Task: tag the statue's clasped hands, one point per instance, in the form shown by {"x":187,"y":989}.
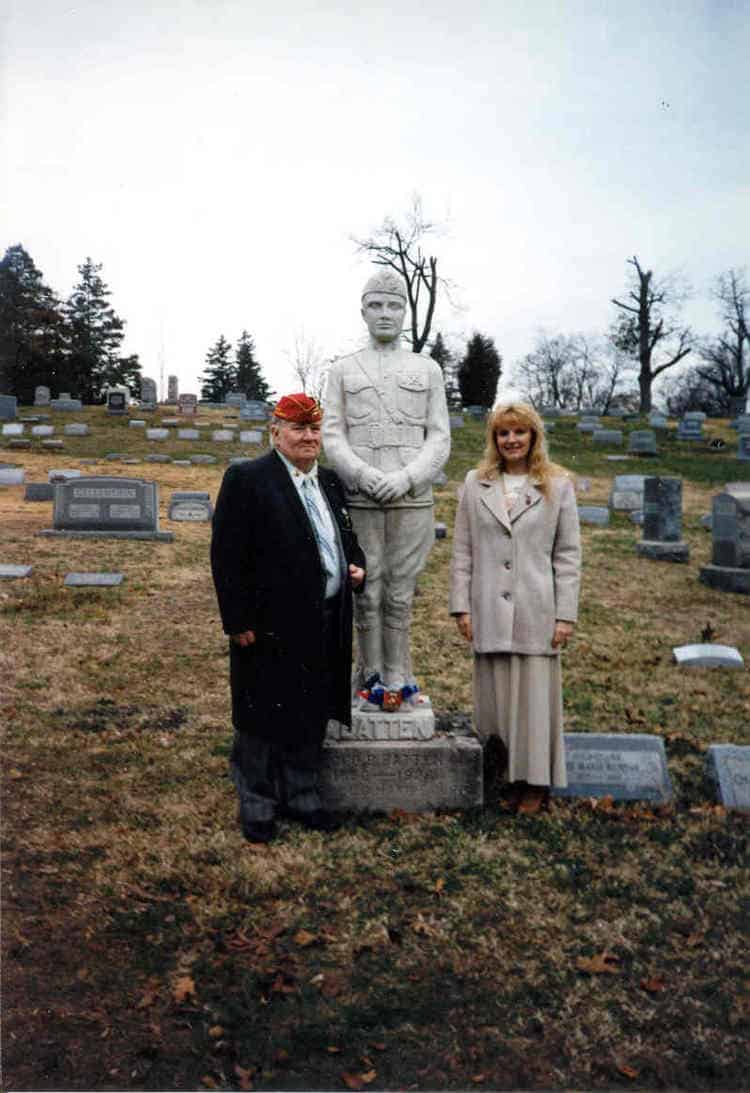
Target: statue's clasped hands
{"x":384,"y":487}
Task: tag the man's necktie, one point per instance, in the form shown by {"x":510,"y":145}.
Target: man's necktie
{"x":328,"y":551}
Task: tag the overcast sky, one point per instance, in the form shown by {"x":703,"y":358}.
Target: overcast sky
{"x":215,"y":156}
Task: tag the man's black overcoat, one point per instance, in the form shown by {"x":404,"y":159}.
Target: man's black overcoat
{"x":269,"y":579}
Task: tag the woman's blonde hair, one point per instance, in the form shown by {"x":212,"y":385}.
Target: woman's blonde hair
{"x":492,"y":464}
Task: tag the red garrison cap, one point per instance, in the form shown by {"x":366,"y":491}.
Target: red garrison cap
{"x":299,"y":408}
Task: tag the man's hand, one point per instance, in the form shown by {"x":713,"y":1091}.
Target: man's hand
{"x":370,"y":480}
{"x":356,"y":575}
{"x":247,"y":637}
{"x":563,"y":632}
{"x":463,"y":622}
{"x":394,"y":485}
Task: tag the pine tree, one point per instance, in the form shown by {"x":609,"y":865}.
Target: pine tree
{"x":479,"y":372}
{"x":249,"y":377}
{"x":32,"y":327}
{"x":220,"y":374}
{"x":96,"y":334}
{"x":442,"y":354}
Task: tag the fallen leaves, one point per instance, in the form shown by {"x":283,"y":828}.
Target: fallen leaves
{"x":602,"y":964}
{"x":183,"y":989}
{"x":359,"y":1081}
{"x":243,"y":1076}
{"x":303,"y":938}
{"x":654,"y":985}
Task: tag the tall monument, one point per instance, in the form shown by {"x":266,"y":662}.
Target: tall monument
{"x":386,"y":433}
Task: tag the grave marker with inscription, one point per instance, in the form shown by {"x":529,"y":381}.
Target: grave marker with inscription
{"x":627,"y":493}
{"x":8,"y":407}
{"x":626,"y":767}
{"x":190,"y":506}
{"x":662,"y":521}
{"x":730,"y":530}
{"x":42,"y":395}
{"x":101,"y":507}
{"x":642,"y":442}
{"x":728,"y":767}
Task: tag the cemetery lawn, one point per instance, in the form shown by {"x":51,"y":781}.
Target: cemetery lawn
{"x":147,"y":946}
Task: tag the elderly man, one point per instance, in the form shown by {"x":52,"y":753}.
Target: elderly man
{"x":285,"y":560}
{"x":386,"y":433}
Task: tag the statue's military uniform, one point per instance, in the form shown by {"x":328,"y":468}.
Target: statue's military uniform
{"x":386,"y":409}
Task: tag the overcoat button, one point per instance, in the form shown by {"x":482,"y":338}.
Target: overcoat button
{"x":506,"y":595}
{"x":507,"y":565}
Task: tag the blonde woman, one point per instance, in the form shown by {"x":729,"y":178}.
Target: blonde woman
{"x":515,"y":575}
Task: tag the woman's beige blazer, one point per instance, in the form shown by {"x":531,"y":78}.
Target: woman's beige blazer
{"x":516,"y":573}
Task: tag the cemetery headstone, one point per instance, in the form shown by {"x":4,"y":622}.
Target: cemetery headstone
{"x":49,"y":444}
{"x":12,"y":476}
{"x":107,"y":508}
{"x":93,"y":580}
{"x":627,"y":493}
{"x":728,"y":767}
{"x":657,"y":420}
{"x":190,"y":505}
{"x":187,"y":404}
{"x":593,"y":514}
{"x":42,"y":395}
{"x":254,"y":410}
{"x":169,"y":421}
{"x":173,"y":390}
{"x":14,"y":572}
{"x":66,"y":404}
{"x":39,"y":491}
{"x":612,"y":438}
{"x":157,"y":434}
{"x":117,"y":402}
{"x":137,"y":423}
{"x":19,"y":442}
{"x":549,"y":411}
{"x":456,"y":421}
{"x":743,"y":447}
{"x":741,"y":423}
{"x":662,"y":521}
{"x":477,"y":413}
{"x":63,"y":474}
{"x":222,"y":436}
{"x":642,"y":442}
{"x":624,"y":766}
{"x":251,"y":436}
{"x":16,"y":428}
{"x":690,"y":428}
{"x":42,"y":430}
{"x":737,"y":405}
{"x":188,"y":434}
{"x":149,"y":396}
{"x":8,"y":407}
{"x":729,"y":570}
{"x":76,"y":428}
{"x":738,"y":489}
{"x":154,"y":457}
{"x":707,"y":655}
{"x":202,"y":458}
{"x":235,"y":398}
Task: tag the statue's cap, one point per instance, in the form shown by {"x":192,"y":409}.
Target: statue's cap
{"x":385,"y":280}
{"x":299,"y":408}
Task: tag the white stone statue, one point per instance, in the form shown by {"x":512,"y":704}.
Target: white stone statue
{"x":386,"y":433}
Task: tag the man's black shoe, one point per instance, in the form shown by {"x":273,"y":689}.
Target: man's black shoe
{"x":258,"y":831}
{"x":317,"y":820}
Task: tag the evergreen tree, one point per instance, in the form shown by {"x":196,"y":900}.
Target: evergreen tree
{"x":220,"y":374}
{"x":32,"y":327}
{"x":249,"y":377}
{"x":442,"y":354}
{"x":96,"y":333}
{"x":479,"y":372}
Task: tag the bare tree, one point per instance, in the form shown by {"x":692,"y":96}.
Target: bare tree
{"x":399,"y":246}
{"x":650,"y":305}
{"x":309,"y":364}
{"x":726,"y":359}
{"x":574,"y":370}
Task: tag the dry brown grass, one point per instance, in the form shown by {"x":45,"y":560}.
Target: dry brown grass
{"x":148,"y":947}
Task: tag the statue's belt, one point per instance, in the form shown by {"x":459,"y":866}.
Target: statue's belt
{"x":386,"y":436}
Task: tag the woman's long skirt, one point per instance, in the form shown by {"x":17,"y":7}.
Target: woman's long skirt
{"x":519,"y":699}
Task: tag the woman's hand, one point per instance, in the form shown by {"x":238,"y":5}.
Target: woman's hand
{"x":356,"y":575}
{"x":463,"y":622}
{"x":563,"y":633}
